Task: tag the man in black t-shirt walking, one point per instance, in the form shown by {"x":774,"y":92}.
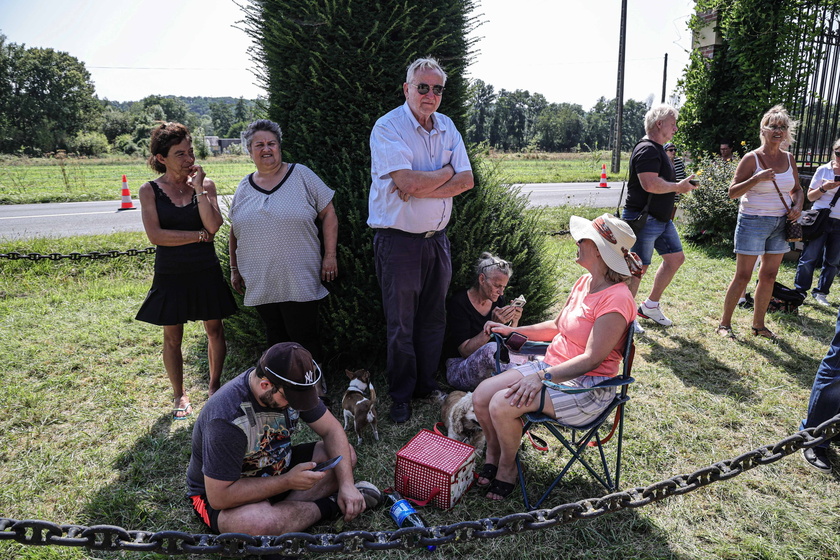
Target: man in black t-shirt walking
{"x":652,"y":185}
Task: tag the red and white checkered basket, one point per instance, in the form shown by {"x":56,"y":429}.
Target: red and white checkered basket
{"x":432,"y":468}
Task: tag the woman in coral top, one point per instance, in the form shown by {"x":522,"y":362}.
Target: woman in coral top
{"x":587,"y":339}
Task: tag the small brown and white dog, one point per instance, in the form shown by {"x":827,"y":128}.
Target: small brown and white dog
{"x":359,"y":403}
{"x":458,"y":416}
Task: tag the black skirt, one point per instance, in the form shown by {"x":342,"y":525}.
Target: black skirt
{"x":175,"y":299}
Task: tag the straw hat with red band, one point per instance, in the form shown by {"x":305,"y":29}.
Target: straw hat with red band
{"x":614,"y":239}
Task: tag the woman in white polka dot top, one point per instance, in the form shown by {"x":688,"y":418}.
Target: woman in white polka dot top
{"x":275,"y":253}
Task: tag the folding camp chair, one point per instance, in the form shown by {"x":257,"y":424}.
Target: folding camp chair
{"x":579,"y":439}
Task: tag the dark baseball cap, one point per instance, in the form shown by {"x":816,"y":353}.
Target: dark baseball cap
{"x":290,"y":366}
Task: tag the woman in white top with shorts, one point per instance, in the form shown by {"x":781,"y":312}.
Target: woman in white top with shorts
{"x":762,"y":216}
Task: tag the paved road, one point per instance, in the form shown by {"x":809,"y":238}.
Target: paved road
{"x":27,"y":221}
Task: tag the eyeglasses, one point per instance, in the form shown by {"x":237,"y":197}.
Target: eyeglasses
{"x":836,"y":153}
{"x":780,"y":127}
{"x":423,"y":89}
{"x":671,"y":150}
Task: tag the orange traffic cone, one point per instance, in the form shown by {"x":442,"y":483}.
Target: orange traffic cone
{"x":603,"y":184}
{"x":127,"y":203}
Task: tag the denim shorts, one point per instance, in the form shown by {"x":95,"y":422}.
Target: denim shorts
{"x":656,"y":234}
{"x":757,"y":235}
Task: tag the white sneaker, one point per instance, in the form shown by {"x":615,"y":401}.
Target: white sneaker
{"x":654,"y":314}
{"x":821,"y":299}
{"x":639,"y":329}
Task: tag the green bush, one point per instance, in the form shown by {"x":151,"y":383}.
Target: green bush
{"x":124,"y":144}
{"x":88,"y":144}
{"x":710,"y":215}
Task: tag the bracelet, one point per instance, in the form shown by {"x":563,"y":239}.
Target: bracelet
{"x":200,"y":193}
{"x":822,"y":190}
{"x":234,"y":267}
{"x":202,"y":235}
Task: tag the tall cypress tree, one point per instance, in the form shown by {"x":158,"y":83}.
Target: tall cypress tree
{"x":331,"y":69}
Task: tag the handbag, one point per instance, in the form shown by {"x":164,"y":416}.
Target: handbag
{"x":814,"y":221}
{"x":793,"y":229}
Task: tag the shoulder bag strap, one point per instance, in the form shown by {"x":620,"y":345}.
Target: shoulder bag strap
{"x":650,"y":194}
{"x":781,"y":197}
{"x":834,"y":200}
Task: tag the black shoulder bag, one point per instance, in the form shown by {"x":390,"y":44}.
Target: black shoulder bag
{"x":814,"y":221}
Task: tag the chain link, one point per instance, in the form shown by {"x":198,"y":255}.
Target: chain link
{"x":14,"y":256}
{"x":107,"y":537}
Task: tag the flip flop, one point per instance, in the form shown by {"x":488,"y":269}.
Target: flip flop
{"x":187,"y":410}
{"x":488,"y":471}
{"x":500,"y":488}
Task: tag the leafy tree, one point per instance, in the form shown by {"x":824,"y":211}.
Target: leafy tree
{"x":330,"y":70}
{"x":116,"y":122}
{"x":559,"y":127}
{"x":764,"y":60}
{"x":222,"y":115}
{"x":480,"y":112}
{"x":599,"y":123}
{"x":47,"y":98}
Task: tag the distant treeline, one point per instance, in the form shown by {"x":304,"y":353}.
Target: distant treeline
{"x":519,"y":120}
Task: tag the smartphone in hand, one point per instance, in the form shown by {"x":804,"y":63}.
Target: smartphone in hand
{"x":518,"y":302}
{"x":328,"y":464}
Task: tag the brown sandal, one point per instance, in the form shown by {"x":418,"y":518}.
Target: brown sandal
{"x":764,"y":332}
{"x":725,"y":331}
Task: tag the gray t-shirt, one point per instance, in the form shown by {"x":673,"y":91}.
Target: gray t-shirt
{"x":235,"y":436}
{"x":278,"y":251}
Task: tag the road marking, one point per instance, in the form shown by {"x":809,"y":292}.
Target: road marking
{"x":55,"y":215}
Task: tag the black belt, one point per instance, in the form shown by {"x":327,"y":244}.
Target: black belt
{"x":422,"y":235}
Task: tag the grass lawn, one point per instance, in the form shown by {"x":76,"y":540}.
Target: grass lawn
{"x":24,"y":180}
{"x":87,"y":436}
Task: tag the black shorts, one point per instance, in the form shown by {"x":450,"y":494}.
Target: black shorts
{"x":210,"y":516}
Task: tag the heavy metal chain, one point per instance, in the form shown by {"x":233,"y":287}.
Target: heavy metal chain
{"x":14,"y":256}
{"x":107,"y":537}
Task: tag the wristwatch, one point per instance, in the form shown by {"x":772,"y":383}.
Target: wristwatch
{"x":822,"y":190}
{"x":546,"y":375}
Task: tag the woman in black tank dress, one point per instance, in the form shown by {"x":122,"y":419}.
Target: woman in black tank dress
{"x":181,"y":216}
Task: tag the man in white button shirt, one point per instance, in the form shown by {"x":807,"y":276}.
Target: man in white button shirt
{"x":418,"y":163}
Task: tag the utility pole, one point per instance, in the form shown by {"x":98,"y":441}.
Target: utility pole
{"x":664,"y":77}
{"x":619,"y":94}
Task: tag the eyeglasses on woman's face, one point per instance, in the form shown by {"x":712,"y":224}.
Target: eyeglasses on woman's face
{"x":777,"y":127}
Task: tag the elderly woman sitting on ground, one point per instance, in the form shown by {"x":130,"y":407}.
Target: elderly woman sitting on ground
{"x":470,"y":352}
{"x":586,"y":347}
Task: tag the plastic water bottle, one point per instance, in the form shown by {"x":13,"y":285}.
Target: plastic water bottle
{"x":403,"y":513}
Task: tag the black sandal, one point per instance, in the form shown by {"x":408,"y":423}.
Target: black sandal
{"x":500,"y":488}
{"x":765,"y":333}
{"x":488,"y":471}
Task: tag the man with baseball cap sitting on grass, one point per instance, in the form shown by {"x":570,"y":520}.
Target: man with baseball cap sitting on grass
{"x":245,"y":476}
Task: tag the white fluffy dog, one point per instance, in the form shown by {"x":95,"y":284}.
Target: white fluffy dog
{"x":458,"y":416}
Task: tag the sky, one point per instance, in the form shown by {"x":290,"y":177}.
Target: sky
{"x":567,"y":50}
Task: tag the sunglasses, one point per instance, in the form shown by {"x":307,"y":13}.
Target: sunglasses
{"x":781,"y":127}
{"x":502,"y":265}
{"x":671,"y":150}
{"x":423,"y":89}
{"x":836,"y":153}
